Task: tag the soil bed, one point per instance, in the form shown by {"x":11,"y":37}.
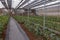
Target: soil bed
{"x":30,"y":34}
{"x":4,"y":32}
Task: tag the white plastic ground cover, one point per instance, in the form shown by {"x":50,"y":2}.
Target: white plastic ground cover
{"x":1,"y":5}
{"x":46,"y":4}
{"x":15,"y":3}
{"x":27,"y":3}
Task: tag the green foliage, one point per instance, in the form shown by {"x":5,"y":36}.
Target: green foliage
{"x":35,"y":24}
{"x":3,"y":21}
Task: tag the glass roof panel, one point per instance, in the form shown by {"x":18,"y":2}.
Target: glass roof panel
{"x":27,"y":3}
{"x":6,"y":2}
{"x":1,"y":5}
{"x":46,"y":4}
{"x":21,"y":3}
{"x":15,"y":3}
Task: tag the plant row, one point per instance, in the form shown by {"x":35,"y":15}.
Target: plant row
{"x":34,"y":24}
{"x":3,"y":22}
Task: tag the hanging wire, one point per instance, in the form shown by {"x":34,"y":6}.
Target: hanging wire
{"x":28,"y":15}
{"x":44,"y":16}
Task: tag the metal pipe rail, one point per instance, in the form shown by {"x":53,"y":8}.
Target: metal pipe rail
{"x":52,"y":30}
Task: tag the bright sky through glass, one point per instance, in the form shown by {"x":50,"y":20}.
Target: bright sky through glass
{"x":1,"y":5}
{"x":46,"y":4}
{"x":15,"y":3}
{"x":27,"y":3}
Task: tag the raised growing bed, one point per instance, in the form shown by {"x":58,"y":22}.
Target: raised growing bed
{"x":3,"y":26}
{"x":35,"y":25}
{"x":31,"y":35}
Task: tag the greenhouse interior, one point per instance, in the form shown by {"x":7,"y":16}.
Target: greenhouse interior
{"x":29,"y":19}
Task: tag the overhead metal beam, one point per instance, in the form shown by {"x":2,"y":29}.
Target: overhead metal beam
{"x":24,"y":2}
{"x":4,"y":3}
{"x":33,"y":3}
{"x":1,"y":0}
{"x":9,"y":3}
{"x":56,"y":6}
{"x":40,"y":2}
{"x":27,"y":3}
{"x":18,"y":4}
{"x":48,"y":4}
{"x":36,"y":1}
{"x":21,"y":3}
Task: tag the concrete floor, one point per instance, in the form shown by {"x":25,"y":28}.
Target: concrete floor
{"x":15,"y":31}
